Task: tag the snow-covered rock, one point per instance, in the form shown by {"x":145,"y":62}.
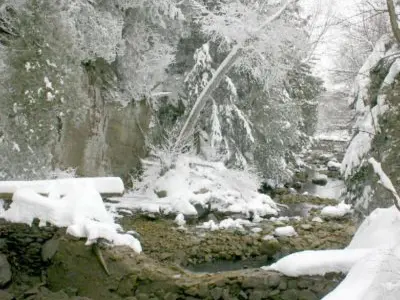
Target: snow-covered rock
{"x":334,"y":165}
{"x":81,"y":210}
{"x":285,"y":231}
{"x":317,"y":220}
{"x":228,"y":223}
{"x":320,"y":179}
{"x":337,"y":211}
{"x":103,"y":185}
{"x":180,"y":220}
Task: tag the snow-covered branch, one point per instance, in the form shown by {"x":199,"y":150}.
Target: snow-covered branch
{"x":220,"y":73}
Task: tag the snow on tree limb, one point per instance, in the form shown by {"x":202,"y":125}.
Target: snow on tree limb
{"x":220,"y":73}
{"x":385,"y":180}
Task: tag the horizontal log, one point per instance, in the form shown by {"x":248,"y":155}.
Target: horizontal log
{"x":106,"y":186}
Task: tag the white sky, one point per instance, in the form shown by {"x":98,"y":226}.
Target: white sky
{"x":326,"y":49}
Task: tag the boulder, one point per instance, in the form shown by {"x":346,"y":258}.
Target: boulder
{"x":5,"y":271}
{"x":320,"y":179}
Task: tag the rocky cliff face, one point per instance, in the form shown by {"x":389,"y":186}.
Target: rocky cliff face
{"x":67,"y":76}
{"x":376,"y":132}
{"x":110,"y":137}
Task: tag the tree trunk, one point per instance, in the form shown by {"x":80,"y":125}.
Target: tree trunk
{"x":393,"y":20}
{"x":222,"y":70}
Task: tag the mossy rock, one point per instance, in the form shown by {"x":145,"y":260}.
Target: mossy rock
{"x":297,"y":198}
{"x":270,"y":247}
{"x":301,"y":176}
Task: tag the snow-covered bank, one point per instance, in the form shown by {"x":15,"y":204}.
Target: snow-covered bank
{"x":196,"y":182}
{"x":81,"y":210}
{"x":103,"y":185}
{"x":372,"y":260}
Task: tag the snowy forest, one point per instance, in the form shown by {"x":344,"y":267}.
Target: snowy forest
{"x":196,"y":149}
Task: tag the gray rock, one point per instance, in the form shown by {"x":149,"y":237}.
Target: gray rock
{"x":256,"y":295}
{"x":6,"y":296}
{"x":161,"y":194}
{"x":320,"y":179}
{"x":5,"y":271}
{"x":49,"y":249}
{"x":202,"y":211}
{"x":216,"y":293}
{"x":274,"y":280}
{"x":243,"y":295}
{"x":306,"y":226}
{"x":307,"y":295}
{"x":289,"y":295}
{"x":212,"y":217}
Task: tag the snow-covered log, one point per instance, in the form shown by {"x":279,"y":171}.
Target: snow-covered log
{"x":103,"y":185}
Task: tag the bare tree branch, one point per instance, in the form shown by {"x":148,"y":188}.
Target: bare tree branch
{"x":393,"y":20}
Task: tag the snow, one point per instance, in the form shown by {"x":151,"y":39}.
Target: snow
{"x":318,"y":262}
{"x":103,"y":185}
{"x":320,"y":177}
{"x":195,"y":181}
{"x":334,"y":165}
{"x":317,"y":220}
{"x":81,"y":210}
{"x":228,"y":223}
{"x":210,"y":225}
{"x":336,"y":135}
{"x":180,"y":220}
{"x":268,"y":237}
{"x":256,"y":229}
{"x":285,"y":231}
{"x":372,"y":260}
{"x":337,"y":211}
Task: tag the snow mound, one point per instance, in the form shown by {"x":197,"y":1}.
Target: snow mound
{"x":318,"y":262}
{"x":285,"y":231}
{"x":81,"y":210}
{"x":194,"y":182}
{"x":337,"y":211}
